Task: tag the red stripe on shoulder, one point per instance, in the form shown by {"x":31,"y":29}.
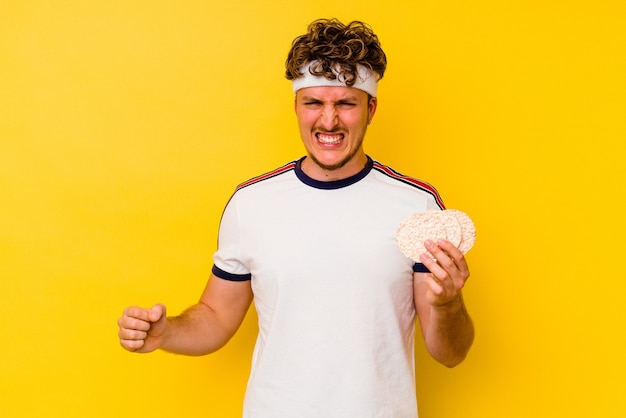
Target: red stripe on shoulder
{"x":268,"y":175}
{"x":410,"y":180}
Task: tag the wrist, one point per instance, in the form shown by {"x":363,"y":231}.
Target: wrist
{"x":452,"y":306}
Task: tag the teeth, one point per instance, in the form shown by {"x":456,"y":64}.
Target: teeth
{"x":329,"y":139}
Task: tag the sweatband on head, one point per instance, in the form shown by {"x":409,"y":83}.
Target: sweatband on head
{"x":365,"y":80}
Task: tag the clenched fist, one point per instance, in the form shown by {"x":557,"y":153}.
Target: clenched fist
{"x":141,"y":329}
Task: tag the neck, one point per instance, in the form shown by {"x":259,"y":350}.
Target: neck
{"x":320,"y":172}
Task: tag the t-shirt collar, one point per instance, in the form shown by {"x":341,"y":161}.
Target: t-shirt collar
{"x":333,"y":184}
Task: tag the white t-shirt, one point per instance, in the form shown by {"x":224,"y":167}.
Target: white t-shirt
{"x":333,"y":293}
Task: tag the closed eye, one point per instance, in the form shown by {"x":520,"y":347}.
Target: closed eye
{"x":312,"y":103}
{"x":346,"y":105}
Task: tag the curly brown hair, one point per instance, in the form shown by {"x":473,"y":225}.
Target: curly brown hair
{"x":335,"y":45}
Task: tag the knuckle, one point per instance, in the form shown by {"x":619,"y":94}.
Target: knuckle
{"x":125,"y":345}
{"x":131,"y":345}
{"x":137,"y":324}
{"x":138,"y":335}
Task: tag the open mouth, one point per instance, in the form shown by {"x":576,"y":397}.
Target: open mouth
{"x":329,"y":138}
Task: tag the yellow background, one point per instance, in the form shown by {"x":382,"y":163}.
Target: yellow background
{"x":125,"y":125}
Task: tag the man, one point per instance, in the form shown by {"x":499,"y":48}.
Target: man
{"x":313,"y":242}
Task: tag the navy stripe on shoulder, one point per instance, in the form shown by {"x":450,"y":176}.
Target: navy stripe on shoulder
{"x":230,"y":276}
{"x":273,"y":173}
{"x":388,"y":171}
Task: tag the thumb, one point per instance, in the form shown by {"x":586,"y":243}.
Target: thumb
{"x":157,"y":312}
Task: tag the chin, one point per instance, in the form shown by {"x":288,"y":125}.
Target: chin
{"x":330,"y":164}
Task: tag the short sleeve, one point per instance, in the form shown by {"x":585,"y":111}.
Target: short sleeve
{"x":227,"y":263}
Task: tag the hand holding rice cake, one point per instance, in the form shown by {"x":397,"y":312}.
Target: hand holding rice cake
{"x":451,"y":224}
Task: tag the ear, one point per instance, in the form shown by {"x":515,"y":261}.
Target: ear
{"x":371,"y":109}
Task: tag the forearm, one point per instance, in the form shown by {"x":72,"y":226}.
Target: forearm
{"x":450,"y":332}
{"x":197,"y":331}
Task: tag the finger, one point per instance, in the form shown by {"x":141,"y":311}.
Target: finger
{"x":456,"y":255}
{"x":137,"y":312}
{"x":445,"y":253}
{"x":128,"y":322}
{"x":132,"y":345}
{"x":450,"y":249}
{"x":156,"y":312}
{"x":131,"y":334}
{"x":436,"y":265}
{"x":434,"y":285}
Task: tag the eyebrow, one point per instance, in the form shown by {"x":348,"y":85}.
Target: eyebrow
{"x":341,"y":100}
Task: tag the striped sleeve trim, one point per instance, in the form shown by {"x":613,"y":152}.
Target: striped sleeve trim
{"x":274,"y":173}
{"x":420,"y":268}
{"x":230,"y":276}
{"x":388,"y":171}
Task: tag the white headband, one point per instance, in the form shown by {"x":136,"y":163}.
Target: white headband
{"x":366,"y":80}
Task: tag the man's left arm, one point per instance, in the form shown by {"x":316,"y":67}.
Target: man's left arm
{"x":446,"y":326}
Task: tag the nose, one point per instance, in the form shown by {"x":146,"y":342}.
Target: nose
{"x":329,"y":117}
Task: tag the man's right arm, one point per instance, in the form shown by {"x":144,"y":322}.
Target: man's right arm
{"x":201,"y":329}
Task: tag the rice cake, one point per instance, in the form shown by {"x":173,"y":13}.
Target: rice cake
{"x":468,"y":230}
{"x":451,"y":225}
